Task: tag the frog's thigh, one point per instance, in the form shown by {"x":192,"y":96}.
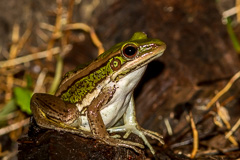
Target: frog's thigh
{"x":42,"y":120}
{"x":38,"y":114}
{"x":39,"y":103}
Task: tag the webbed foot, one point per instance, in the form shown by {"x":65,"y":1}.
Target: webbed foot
{"x":118,"y":142}
{"x":142,"y":133}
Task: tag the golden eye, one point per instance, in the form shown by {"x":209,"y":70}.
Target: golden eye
{"x":130,"y":51}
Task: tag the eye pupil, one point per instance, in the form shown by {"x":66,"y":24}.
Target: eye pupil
{"x":130,"y":51}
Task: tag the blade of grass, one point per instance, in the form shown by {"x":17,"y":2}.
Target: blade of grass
{"x":233,"y":36}
{"x":58,"y":75}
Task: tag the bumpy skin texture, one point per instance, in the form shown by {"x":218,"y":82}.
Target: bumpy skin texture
{"x":91,"y":99}
{"x":87,"y":84}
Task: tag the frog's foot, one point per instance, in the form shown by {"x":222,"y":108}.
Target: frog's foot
{"x":136,"y":129}
{"x":153,"y":135}
{"x":122,"y":143}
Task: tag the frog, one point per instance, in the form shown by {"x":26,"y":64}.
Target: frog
{"x":91,"y":100}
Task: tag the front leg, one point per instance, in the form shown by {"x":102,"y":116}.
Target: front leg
{"x":131,"y":126}
{"x":97,"y":125}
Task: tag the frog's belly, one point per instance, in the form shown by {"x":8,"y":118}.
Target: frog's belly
{"x":113,"y":112}
{"x":117,"y":106}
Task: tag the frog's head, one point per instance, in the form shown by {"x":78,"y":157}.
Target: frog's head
{"x":125,"y":61}
{"x":128,"y":56}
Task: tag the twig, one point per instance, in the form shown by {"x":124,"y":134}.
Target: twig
{"x":238,"y":10}
{"x":20,"y":82}
{"x":224,"y":90}
{"x":56,"y":32}
{"x":8,"y":116}
{"x":168,"y":126}
{"x":228,"y":100}
{"x":14,"y":126}
{"x":88,"y":29}
{"x":9,"y":70}
{"x":223,"y":114}
{"x":28,"y":58}
{"x":195,"y":137}
{"x":17,"y":45}
{"x":65,"y":38}
{"x":230,"y":12}
{"x":24,"y":38}
{"x":47,"y":26}
{"x":234,"y":128}
{"x":40,"y":79}
{"x":177,"y":136}
{"x":233,"y":140}
{"x":12,"y":55}
{"x":15,"y":39}
{"x":96,"y":41}
{"x":9,"y":85}
{"x":215,"y":151}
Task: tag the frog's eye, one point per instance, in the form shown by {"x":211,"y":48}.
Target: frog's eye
{"x":130,"y":51}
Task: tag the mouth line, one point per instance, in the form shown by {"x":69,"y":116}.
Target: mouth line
{"x":149,"y":57}
{"x":134,"y":66}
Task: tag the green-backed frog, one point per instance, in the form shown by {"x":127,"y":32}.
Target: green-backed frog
{"x":91,"y":100}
